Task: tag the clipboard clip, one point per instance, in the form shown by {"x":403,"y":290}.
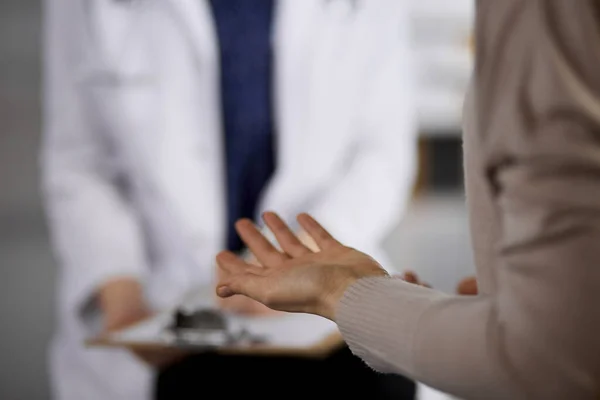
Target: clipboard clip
{"x":207,"y":328}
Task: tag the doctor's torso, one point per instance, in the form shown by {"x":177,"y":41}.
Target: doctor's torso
{"x":151,"y":82}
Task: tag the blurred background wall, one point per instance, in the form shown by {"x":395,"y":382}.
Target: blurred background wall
{"x":433,"y":239}
{"x":27,"y":270}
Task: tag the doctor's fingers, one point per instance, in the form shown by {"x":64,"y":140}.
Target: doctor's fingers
{"x":263,"y":250}
{"x":323,"y":239}
{"x":285,"y":237}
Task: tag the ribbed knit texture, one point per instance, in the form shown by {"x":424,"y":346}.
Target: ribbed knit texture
{"x":372,"y":309}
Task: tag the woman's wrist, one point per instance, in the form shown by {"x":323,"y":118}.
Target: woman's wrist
{"x":330,"y":299}
{"x":339,"y":285}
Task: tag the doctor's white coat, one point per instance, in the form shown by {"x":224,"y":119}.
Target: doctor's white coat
{"x":132,"y":159}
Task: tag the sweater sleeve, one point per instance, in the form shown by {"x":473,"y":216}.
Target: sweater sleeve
{"x":535,"y":334}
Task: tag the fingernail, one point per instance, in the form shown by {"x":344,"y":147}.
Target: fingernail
{"x":269,"y":214}
{"x":225,"y":255}
{"x":306,"y":218}
{"x":244,"y":221}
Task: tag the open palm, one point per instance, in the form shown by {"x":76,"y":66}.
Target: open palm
{"x":295,"y":278}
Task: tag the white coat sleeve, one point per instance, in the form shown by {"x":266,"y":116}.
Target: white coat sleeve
{"x":368,"y":201}
{"x":93,"y":227}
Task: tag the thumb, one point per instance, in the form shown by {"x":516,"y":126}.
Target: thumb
{"x":224,"y":291}
{"x":232,"y":285}
{"x":239,"y":284}
{"x":237,"y":276}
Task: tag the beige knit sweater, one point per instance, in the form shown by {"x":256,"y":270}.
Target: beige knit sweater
{"x":532,"y":161}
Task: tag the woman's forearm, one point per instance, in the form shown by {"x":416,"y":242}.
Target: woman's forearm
{"x":446,"y":342}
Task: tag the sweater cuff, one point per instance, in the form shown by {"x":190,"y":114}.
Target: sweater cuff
{"x":378,"y":318}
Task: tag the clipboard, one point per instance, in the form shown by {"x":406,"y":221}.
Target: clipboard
{"x":318,"y":350}
{"x":284,"y":334}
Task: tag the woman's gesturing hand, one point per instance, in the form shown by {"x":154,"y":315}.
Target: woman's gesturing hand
{"x":295,"y":278}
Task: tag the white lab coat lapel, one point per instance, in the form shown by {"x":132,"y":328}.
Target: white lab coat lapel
{"x":192,"y":163}
{"x":309,"y":34}
{"x":296,"y":29}
{"x":334,"y":79}
{"x":197,"y":20}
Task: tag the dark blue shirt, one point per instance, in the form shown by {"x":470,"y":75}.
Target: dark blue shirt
{"x":244,"y":33}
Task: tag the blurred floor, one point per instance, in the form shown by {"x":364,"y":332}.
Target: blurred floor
{"x":433,"y":239}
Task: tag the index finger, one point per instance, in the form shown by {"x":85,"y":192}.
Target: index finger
{"x":287,"y":240}
{"x":322,"y":238}
{"x":263,"y":250}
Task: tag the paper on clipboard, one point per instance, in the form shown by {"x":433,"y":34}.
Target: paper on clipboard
{"x":285,"y":333}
